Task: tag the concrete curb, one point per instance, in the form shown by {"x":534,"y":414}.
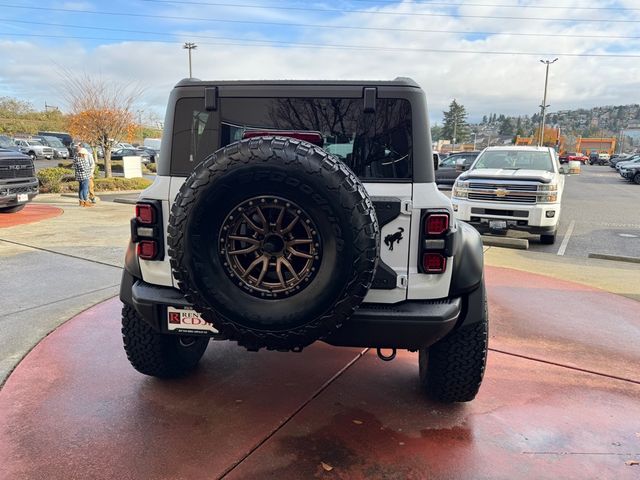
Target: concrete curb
{"x":615,"y":258}
{"x":517,"y":243}
{"x":127,"y":201}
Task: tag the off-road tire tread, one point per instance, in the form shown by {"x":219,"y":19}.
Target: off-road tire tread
{"x":155,"y":354}
{"x":456,"y":364}
{"x":343,"y":182}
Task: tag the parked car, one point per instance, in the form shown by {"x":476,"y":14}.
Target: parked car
{"x":130,"y":152}
{"x":603,"y":158}
{"x":452,"y":166}
{"x":34,"y":148}
{"x":59,"y":150}
{"x":626,"y":163}
{"x":517,"y":188}
{"x":574,"y":157}
{"x":613,"y":161}
{"x":8,"y":143}
{"x":64,"y":137}
{"x":153,"y":153}
{"x":631,"y":172}
{"x":18,"y":182}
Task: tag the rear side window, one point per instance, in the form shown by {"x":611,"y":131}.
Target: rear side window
{"x":376,"y":146}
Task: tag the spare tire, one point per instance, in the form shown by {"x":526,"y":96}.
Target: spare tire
{"x":273,"y":241}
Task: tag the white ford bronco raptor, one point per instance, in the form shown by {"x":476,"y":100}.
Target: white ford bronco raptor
{"x":287,"y":212}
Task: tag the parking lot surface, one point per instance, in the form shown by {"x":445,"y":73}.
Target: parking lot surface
{"x":560,"y":400}
{"x":599,"y":215}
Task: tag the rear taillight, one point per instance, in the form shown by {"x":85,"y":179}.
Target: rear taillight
{"x":146,"y":230}
{"x":435,"y":241}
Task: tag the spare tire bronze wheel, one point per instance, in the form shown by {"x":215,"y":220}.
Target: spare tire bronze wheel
{"x":273,"y":241}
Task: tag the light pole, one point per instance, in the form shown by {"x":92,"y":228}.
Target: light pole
{"x":189,"y":46}
{"x":544,"y":100}
{"x":474,"y":141}
{"x":455,"y":128}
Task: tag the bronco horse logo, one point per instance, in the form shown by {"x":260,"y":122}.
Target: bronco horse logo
{"x":392,"y":238}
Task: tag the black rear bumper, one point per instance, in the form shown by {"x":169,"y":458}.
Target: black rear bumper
{"x":408,"y":325}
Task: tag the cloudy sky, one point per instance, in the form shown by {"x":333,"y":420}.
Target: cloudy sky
{"x":484,"y":53}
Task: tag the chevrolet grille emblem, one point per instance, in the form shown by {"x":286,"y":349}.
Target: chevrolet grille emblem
{"x":501,"y":192}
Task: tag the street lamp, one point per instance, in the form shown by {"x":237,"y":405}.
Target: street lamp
{"x":189,"y":46}
{"x":474,"y":141}
{"x":544,"y":105}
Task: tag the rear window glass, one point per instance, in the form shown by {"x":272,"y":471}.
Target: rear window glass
{"x":374,"y":145}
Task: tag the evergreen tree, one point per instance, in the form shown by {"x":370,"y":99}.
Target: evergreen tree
{"x":436,"y":133}
{"x":484,"y":120}
{"x":506,"y":126}
{"x":455,"y":125}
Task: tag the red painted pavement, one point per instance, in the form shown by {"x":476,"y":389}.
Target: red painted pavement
{"x":74,"y":408}
{"x":31,"y":213}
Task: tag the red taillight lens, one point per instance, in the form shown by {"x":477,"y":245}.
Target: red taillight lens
{"x":433,"y":262}
{"x":147,"y":249}
{"x":145,"y":213}
{"x":436,"y":224}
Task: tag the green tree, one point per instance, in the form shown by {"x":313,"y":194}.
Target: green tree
{"x":506,"y":126}
{"x":455,"y":125}
{"x":436,"y":133}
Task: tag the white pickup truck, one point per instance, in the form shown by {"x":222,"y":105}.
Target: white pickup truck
{"x":518,"y":188}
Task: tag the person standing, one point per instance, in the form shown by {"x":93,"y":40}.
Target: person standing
{"x":82,"y":169}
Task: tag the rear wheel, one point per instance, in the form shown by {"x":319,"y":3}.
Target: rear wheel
{"x":14,"y":209}
{"x":159,"y":355}
{"x":636,"y":178}
{"x":452,"y":369}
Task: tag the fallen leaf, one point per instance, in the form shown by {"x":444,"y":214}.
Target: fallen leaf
{"x":632,"y":462}
{"x":238,"y":401}
{"x":401,"y":443}
{"x":357,"y":422}
{"x":326,"y":466}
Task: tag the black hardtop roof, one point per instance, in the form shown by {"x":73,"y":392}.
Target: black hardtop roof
{"x":397,"y":82}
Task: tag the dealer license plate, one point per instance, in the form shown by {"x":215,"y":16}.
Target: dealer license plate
{"x":497,"y":224}
{"x":187,"y":320}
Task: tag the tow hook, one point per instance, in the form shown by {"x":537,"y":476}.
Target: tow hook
{"x":386,"y":358}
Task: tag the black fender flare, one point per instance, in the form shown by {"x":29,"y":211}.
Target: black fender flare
{"x":468,"y":260}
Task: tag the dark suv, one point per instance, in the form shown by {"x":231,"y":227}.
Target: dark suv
{"x":18,"y":182}
{"x":288,"y":212}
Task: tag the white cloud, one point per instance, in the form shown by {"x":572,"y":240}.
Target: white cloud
{"x":484,"y":83}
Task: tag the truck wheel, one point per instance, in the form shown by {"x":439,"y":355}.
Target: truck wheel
{"x":13,"y":209}
{"x":158,"y":355}
{"x":636,"y":178}
{"x":452,"y":369}
{"x":273,"y":241}
{"x":548,"y":239}
{"x":33,"y":156}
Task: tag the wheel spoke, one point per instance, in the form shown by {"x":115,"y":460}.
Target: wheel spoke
{"x":253,"y":265}
{"x":280,"y":219}
{"x":250,"y":240}
{"x":265,"y":267}
{"x":292,"y":224}
{"x":250,"y":249}
{"x":289,"y":267}
{"x":302,"y":241}
{"x":265,"y":224}
{"x":279,"y":272}
{"x":252,"y":225}
{"x":296,"y":253}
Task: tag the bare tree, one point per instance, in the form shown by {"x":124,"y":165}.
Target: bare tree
{"x":101,"y":111}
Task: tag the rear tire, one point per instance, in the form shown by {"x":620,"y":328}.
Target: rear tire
{"x":452,"y":369}
{"x":158,"y":355}
{"x":13,"y":209}
{"x":548,"y":239}
{"x":636,"y":178}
